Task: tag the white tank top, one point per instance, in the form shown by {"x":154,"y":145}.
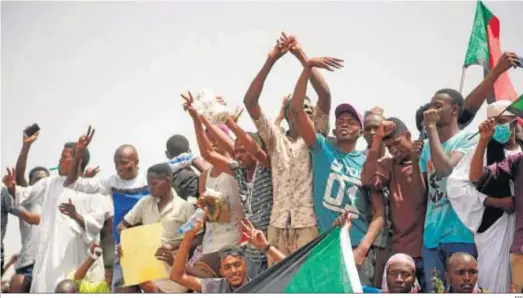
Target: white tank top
{"x":220,"y":235}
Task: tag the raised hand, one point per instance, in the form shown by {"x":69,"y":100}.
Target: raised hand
{"x":68,"y":209}
{"x":290,"y":43}
{"x":188,"y":104}
{"x":486,"y":129}
{"x":254,"y":236}
{"x":237,"y":113}
{"x":85,"y":140}
{"x":415,"y":151}
{"x":506,"y":61}
{"x":30,"y":140}
{"x":430,"y":117}
{"x":280,"y":48}
{"x":386,"y":128}
{"x":344,"y":219}
{"x":9,"y":179}
{"x":328,"y":63}
{"x":91,"y":172}
{"x":377,"y":110}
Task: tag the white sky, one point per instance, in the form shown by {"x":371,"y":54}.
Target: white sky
{"x":120,"y":66}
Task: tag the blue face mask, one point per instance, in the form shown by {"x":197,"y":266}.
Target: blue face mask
{"x":502,"y":133}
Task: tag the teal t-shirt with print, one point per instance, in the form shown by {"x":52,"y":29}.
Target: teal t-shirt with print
{"x":337,"y":187}
{"x":442,"y":224}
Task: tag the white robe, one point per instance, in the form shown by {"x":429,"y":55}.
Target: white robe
{"x":62,"y":244}
{"x":493,"y":244}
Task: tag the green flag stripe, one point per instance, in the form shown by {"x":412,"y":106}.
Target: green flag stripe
{"x":517,"y":105}
{"x":323,"y":271}
{"x":478,"y":49}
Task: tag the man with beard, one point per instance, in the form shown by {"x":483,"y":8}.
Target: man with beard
{"x":444,"y":233}
{"x":336,"y":177}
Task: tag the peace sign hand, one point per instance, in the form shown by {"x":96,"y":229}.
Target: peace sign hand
{"x":9,"y":179}
{"x":254,"y":236}
{"x":187,"y":105}
{"x":85,"y":140}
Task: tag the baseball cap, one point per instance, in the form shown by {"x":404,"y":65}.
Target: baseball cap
{"x":347,"y":108}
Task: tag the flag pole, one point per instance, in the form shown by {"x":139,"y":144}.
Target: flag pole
{"x":462,"y":79}
{"x":495,"y":118}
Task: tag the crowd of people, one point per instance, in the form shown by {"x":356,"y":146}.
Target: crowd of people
{"x":432,"y":211}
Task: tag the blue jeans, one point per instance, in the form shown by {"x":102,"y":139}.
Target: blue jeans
{"x":436,"y":258}
{"x":118,"y":282}
{"x":26,"y":271}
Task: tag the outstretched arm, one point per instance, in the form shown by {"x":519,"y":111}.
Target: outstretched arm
{"x":223,"y":140}
{"x":475,"y":99}
{"x":253,"y":93}
{"x":21,"y":162}
{"x":303,"y":122}
{"x":178,"y":274}
{"x":95,"y":253}
{"x":219,"y":161}
{"x":317,"y":81}
{"x":248,"y":142}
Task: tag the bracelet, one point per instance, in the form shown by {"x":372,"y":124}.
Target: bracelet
{"x":267,"y":247}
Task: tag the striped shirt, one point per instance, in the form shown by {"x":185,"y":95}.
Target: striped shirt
{"x":256,"y":197}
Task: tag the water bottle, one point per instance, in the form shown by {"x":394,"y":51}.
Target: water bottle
{"x":198,"y":214}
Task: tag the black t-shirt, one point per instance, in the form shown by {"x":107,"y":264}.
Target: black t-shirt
{"x":185,"y":183}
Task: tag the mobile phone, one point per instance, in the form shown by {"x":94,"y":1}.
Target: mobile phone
{"x":519,"y":63}
{"x":31,"y":130}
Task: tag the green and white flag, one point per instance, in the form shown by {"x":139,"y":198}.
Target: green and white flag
{"x":325,"y":265}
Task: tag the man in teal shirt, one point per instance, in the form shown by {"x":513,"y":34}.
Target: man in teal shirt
{"x":336,"y":176}
{"x":444,"y":234}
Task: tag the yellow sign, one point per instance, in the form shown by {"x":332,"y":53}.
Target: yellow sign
{"x":138,"y":262}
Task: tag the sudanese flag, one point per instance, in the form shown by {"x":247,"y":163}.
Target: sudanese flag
{"x":484,"y":49}
{"x":325,"y":265}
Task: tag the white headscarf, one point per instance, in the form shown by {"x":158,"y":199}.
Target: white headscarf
{"x":405,"y":259}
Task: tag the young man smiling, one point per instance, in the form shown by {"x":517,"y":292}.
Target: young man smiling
{"x":336,"y":176}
